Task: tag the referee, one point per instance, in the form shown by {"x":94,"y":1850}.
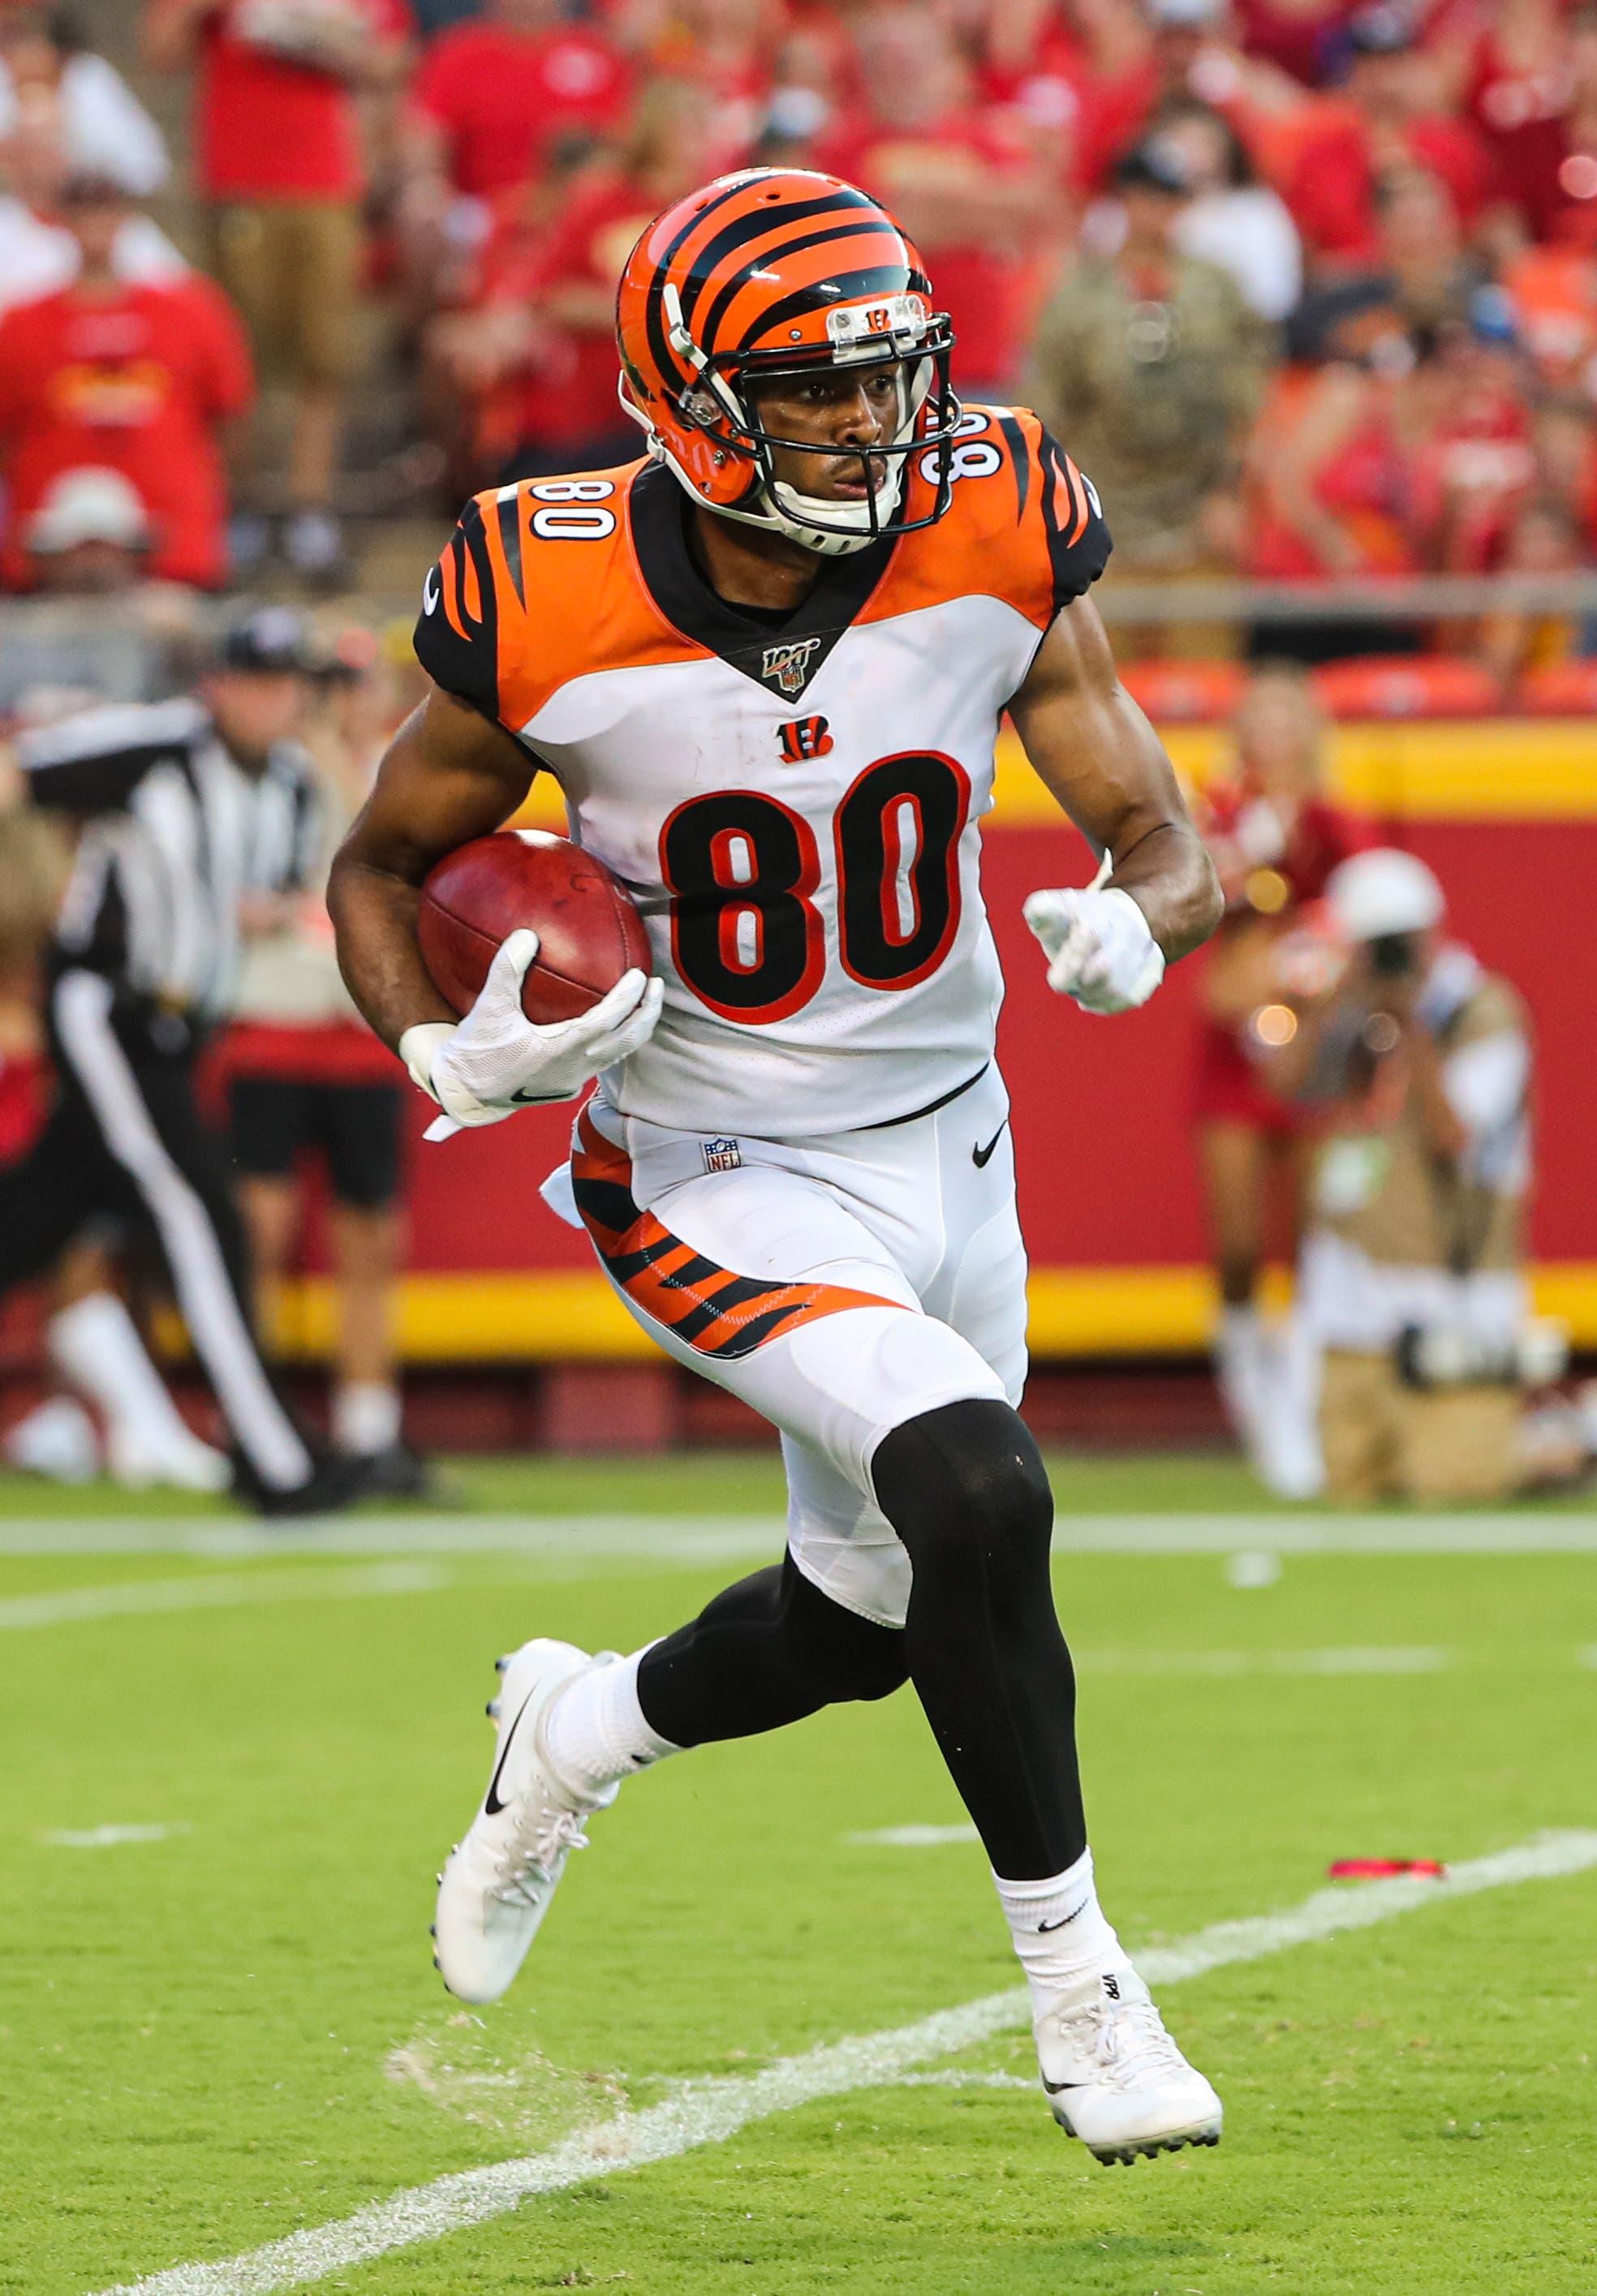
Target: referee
{"x":199,"y":817}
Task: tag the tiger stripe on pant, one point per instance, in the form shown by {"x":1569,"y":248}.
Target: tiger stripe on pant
{"x":715,"y":1311}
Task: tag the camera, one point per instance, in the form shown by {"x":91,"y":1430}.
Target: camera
{"x":1394,"y":955}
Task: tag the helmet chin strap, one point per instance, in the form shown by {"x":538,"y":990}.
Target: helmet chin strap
{"x":812,"y":521}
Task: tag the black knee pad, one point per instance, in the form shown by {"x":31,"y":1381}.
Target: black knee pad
{"x":852,"y":1657}
{"x":964,"y":1478}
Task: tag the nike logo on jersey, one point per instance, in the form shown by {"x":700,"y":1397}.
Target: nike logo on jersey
{"x":432,"y":591}
{"x":980,"y":1158}
{"x":491,"y":1803}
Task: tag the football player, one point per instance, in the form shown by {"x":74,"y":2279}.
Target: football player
{"x":766,"y":665}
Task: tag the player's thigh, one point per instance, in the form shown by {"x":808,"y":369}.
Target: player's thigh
{"x":358,"y":1127}
{"x":978,"y":1287}
{"x":840,"y":1539}
{"x":761,"y":1279}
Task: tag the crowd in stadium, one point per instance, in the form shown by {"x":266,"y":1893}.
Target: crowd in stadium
{"x":1306,"y":287}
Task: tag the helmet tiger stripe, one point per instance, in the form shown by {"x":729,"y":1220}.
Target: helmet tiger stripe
{"x":764,"y":272}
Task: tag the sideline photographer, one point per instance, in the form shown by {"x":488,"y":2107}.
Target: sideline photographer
{"x":1411,"y":1275}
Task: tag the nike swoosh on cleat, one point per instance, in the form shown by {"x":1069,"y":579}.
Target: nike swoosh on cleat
{"x":979,"y":1156}
{"x":1057,"y":2088}
{"x":491,"y":1803}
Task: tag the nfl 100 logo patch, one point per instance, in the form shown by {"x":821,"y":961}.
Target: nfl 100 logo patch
{"x":722,"y":1156}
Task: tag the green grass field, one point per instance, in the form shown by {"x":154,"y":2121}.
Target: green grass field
{"x":227,"y":2029}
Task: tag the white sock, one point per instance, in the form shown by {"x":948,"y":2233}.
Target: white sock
{"x":596,"y":1732}
{"x":366,"y":1414}
{"x":95,"y":1346}
{"x":1059,"y":1930}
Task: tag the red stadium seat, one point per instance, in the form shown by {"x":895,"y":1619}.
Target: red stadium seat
{"x":1559,"y":689}
{"x":1403,"y":686}
{"x":1184,"y":692}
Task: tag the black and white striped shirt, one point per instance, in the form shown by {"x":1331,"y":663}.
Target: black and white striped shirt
{"x":176,"y":833}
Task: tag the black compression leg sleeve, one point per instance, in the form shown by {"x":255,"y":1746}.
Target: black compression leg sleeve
{"x":766,"y":1652}
{"x":965,"y":1489}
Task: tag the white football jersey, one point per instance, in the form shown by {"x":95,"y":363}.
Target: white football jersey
{"x":794,"y":807}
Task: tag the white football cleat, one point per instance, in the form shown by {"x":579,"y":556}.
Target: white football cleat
{"x":1113,"y":2076}
{"x":497,"y":1886}
{"x":176,"y":1463}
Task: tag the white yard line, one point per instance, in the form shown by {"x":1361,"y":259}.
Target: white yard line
{"x":74,"y":1604}
{"x":688,"y":1539}
{"x":108,"y":1837}
{"x":912,"y":1836}
{"x":565,"y":1538}
{"x":710,"y":2111}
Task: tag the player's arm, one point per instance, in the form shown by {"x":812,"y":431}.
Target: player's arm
{"x":450,"y":775}
{"x":1095,"y":752}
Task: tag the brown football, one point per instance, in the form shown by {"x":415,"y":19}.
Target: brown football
{"x":589,"y":932}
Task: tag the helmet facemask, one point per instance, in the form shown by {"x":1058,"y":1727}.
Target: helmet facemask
{"x":896,"y":330}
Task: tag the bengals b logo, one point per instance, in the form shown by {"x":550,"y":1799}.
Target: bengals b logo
{"x":803,"y":737}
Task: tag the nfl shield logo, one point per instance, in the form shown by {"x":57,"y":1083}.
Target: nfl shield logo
{"x":788,"y":664}
{"x":722,"y":1156}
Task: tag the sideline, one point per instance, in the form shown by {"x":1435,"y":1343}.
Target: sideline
{"x":715,"y":1538}
{"x":709,"y":2111}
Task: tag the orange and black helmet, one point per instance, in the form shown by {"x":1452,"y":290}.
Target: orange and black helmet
{"x":770,"y":271}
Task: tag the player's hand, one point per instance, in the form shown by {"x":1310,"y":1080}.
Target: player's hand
{"x":497,"y":1061}
{"x":1100,"y":948}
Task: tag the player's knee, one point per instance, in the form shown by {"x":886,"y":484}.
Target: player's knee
{"x":964,"y":1479}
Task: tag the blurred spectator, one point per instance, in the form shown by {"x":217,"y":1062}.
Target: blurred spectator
{"x":48,"y":79}
{"x":1519,"y":88}
{"x":307,"y":1079}
{"x":492,"y":93}
{"x":1275,"y":837}
{"x":1148,"y":365}
{"x":1546,"y":539}
{"x":962,"y":178}
{"x":540,"y":354}
{"x":1472,"y":458}
{"x":38,"y":252}
{"x":1331,"y":483}
{"x":1387,"y":115}
{"x":435,"y":16}
{"x":1232,"y":218}
{"x":90,"y":535}
{"x":1412,"y":1277}
{"x":277,"y":161}
{"x":136,"y":378}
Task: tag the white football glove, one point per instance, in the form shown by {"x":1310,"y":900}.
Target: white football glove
{"x":1100,"y":947}
{"x":497,"y":1061}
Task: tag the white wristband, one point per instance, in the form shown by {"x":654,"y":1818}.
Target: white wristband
{"x":418,"y":1049}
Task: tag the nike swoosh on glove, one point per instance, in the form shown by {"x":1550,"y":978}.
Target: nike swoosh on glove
{"x":1100,"y":948}
{"x":496,"y":1060}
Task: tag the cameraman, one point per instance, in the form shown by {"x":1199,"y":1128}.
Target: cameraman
{"x":1411,"y":1275}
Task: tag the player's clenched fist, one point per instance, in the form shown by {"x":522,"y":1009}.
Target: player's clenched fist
{"x":1100,"y":948}
{"x":497,"y":1061}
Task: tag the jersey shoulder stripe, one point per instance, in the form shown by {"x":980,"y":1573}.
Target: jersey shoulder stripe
{"x":1023,"y":525}
{"x":537,"y":585}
